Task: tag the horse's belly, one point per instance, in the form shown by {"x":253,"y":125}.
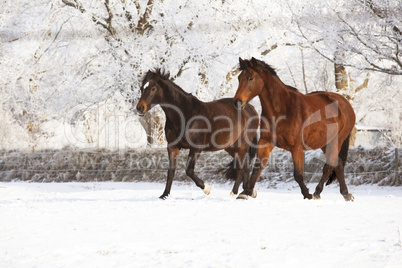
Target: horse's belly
{"x":222,"y":139}
{"x":211,"y":137}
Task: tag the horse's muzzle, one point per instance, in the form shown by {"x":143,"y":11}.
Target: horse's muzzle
{"x":238,"y":104}
{"x":140,"y":110}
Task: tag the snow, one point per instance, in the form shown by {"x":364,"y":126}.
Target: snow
{"x":125,"y":225}
{"x":361,"y":127}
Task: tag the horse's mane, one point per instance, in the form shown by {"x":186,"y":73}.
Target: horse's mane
{"x":162,"y":76}
{"x":292,"y":88}
{"x":158,"y":74}
{"x":245,"y":64}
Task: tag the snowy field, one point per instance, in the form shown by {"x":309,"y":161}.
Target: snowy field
{"x":126,"y":225}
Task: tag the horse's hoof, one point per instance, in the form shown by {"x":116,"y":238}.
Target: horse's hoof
{"x":242,"y":197}
{"x":207,"y":189}
{"x":308,"y":196}
{"x":316,"y":197}
{"x":232,"y":194}
{"x":254,"y":194}
{"x":349,"y":197}
{"x":163,"y":197}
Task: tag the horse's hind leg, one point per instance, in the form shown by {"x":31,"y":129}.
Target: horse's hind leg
{"x":232,"y":151}
{"x":238,"y":179}
{"x":326,"y":171}
{"x":339,"y":171}
{"x":335,"y":163}
{"x":192,"y":157}
{"x":320,"y":186}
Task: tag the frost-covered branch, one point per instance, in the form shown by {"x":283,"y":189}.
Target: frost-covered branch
{"x":36,"y":57}
{"x":109,"y":18}
{"x":107,"y":25}
{"x":364,"y":84}
{"x":369,"y":38}
{"x":383,"y":14}
{"x":143,"y":23}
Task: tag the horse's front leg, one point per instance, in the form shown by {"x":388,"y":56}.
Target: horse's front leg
{"x":239,"y":174}
{"x":173,"y":153}
{"x":192,"y":157}
{"x":241,"y":163}
{"x":263,"y":152}
{"x":298,"y":160}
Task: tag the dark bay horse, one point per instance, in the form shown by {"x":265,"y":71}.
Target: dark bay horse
{"x":297,"y":122}
{"x":200,"y":126}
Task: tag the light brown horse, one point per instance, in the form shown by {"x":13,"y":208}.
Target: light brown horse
{"x":297,"y":122}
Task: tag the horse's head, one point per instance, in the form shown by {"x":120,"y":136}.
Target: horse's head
{"x":250,"y":83}
{"x":151,"y":92}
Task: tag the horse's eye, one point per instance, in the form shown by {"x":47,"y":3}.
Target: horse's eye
{"x":153,"y":88}
{"x":250,"y":78}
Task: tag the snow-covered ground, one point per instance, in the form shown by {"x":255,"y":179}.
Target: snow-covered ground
{"x":126,"y":225}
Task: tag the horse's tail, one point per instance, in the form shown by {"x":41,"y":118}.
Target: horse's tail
{"x":343,"y":156}
{"x":230,"y":170}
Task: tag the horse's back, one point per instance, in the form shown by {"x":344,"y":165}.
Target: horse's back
{"x":327,"y":98}
{"x":333,"y":105}
{"x":330,"y":96}
{"x":227,"y":102}
{"x":228,"y":105}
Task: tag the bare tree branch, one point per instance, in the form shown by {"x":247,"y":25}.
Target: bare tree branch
{"x":36,"y":57}
{"x":143,"y":23}
{"x":365,"y":83}
{"x":129,"y":16}
{"x":109,"y":19}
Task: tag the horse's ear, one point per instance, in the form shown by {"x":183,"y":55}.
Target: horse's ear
{"x":242,"y":64}
{"x":253,"y":63}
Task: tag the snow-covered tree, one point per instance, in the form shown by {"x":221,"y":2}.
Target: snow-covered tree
{"x":77,"y":64}
{"x":363,"y":34}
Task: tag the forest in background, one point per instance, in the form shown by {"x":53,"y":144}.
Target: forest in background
{"x":70,"y":69}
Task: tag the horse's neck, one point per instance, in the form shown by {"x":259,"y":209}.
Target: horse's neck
{"x":178,"y":104}
{"x":274,"y":97}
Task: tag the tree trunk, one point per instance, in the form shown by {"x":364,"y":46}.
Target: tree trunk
{"x":342,"y":86}
{"x":341,"y":78}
